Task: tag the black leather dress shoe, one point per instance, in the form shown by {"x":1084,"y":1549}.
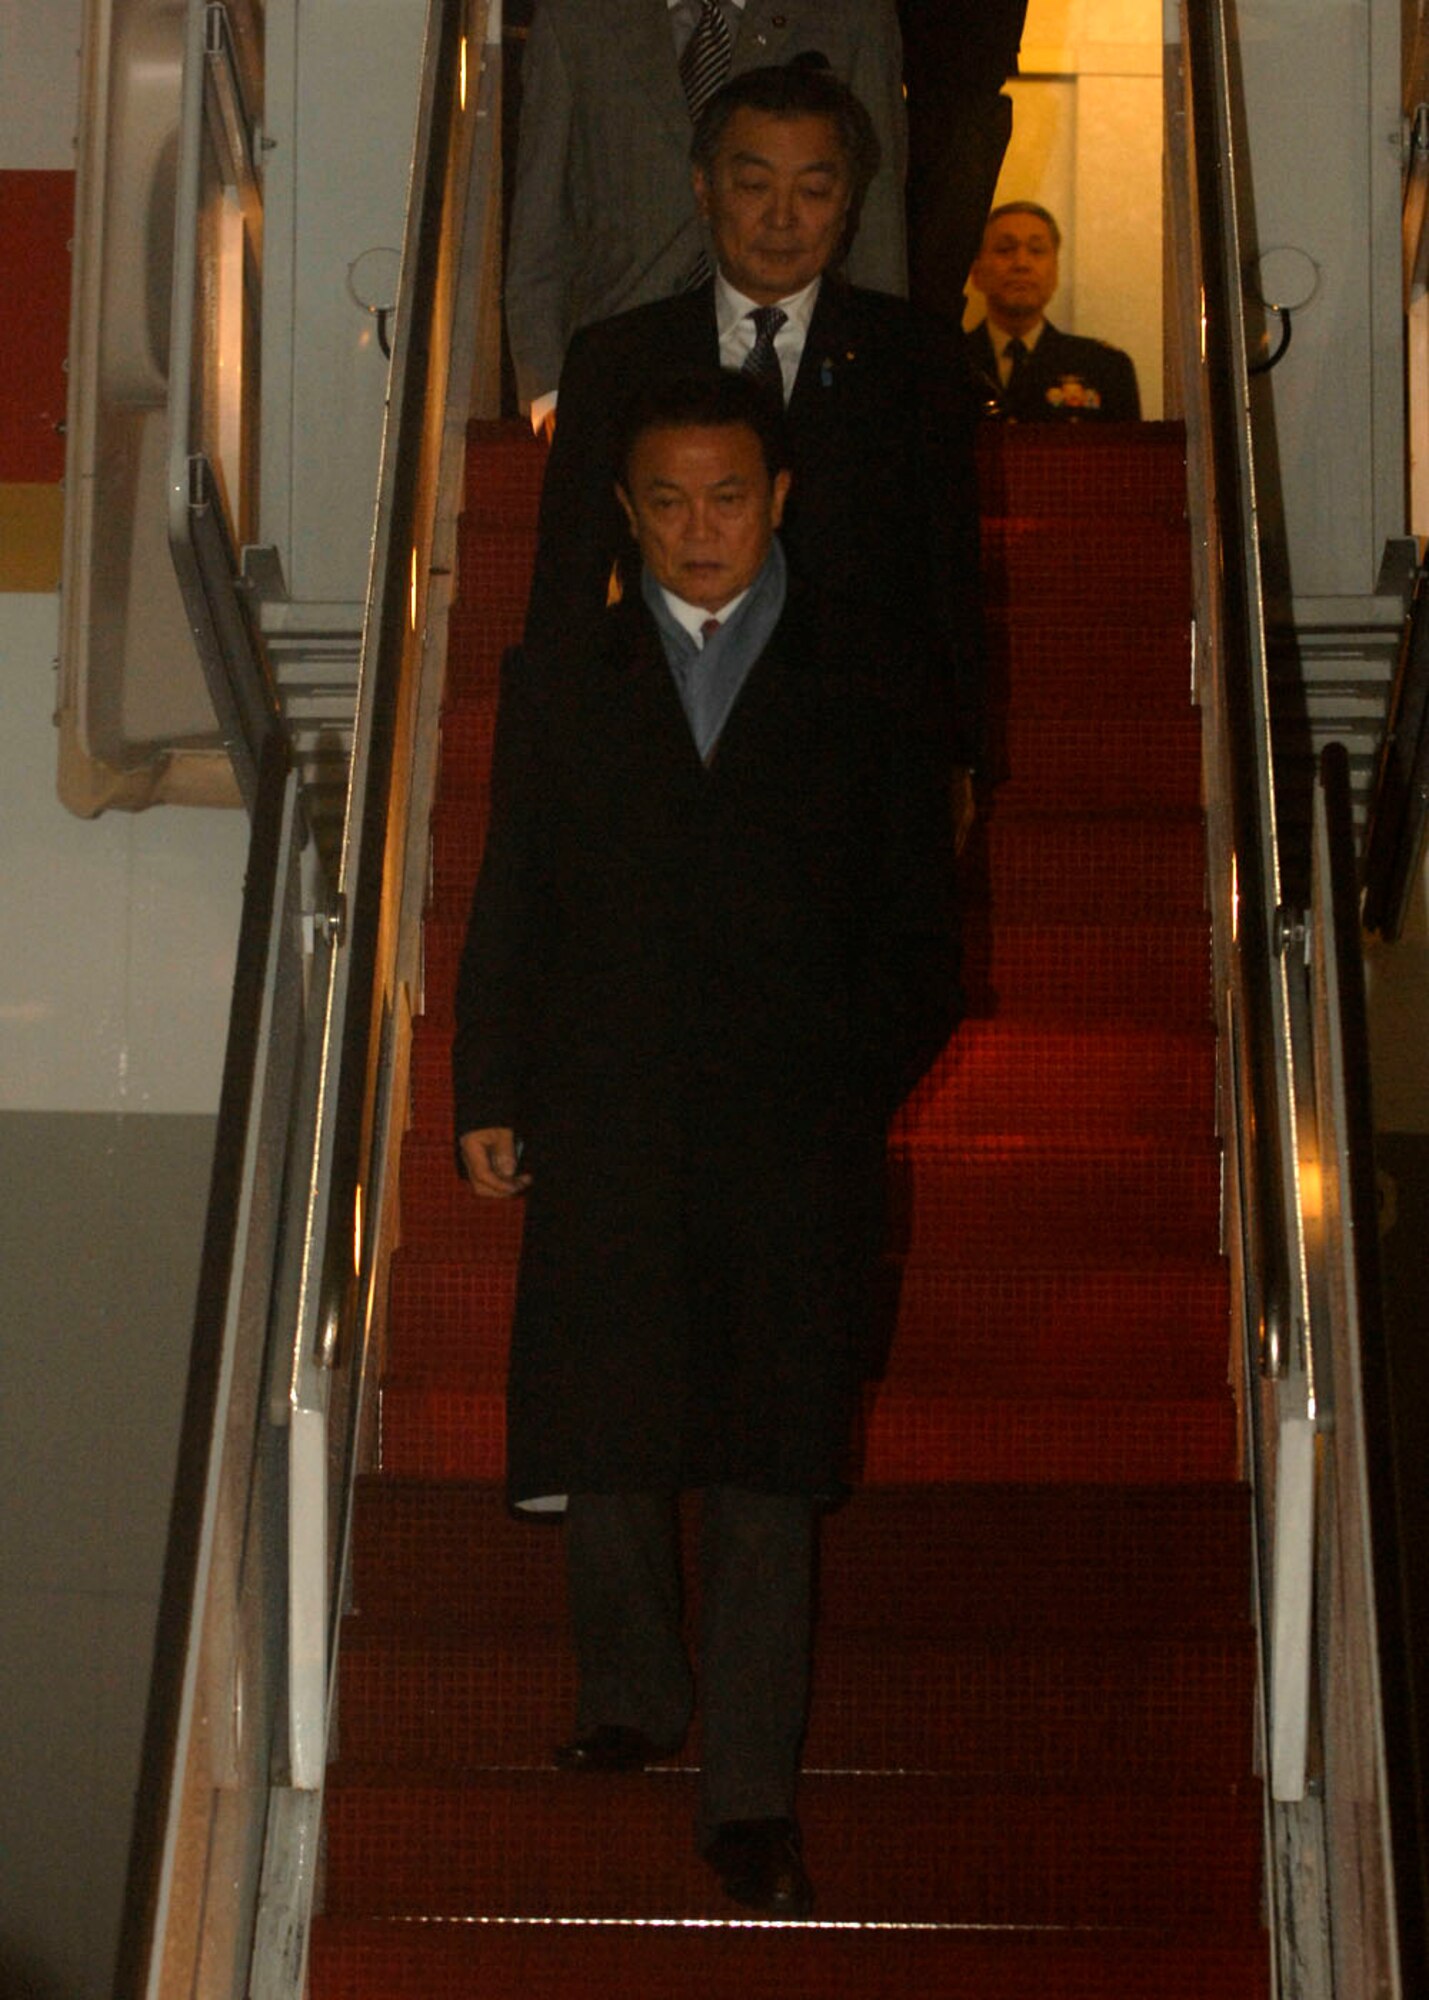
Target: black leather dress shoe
{"x":760,"y":1866}
{"x":610,"y":1747}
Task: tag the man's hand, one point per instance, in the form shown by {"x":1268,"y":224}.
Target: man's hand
{"x":543,"y":416}
{"x":489,"y":1157}
{"x":964,"y":806}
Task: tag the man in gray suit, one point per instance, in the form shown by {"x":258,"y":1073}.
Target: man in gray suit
{"x":604,"y":217}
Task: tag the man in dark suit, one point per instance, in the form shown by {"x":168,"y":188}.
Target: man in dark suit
{"x":1030,"y":370}
{"x":883,"y":508}
{"x":602,"y":217}
{"x":712,"y":946}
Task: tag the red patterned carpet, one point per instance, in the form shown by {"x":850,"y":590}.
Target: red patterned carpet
{"x":1029,"y":1764}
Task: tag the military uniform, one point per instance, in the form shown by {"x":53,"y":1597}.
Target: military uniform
{"x":1067,"y":378}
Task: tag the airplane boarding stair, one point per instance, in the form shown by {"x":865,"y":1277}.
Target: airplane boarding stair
{"x":1115,"y":1691}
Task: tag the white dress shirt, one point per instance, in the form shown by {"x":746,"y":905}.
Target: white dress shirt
{"x":693,"y":618}
{"x":736,"y":328}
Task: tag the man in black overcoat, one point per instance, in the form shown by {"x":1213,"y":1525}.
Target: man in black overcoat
{"x":1029,"y":370}
{"x":883,"y":515}
{"x":712,"y":946}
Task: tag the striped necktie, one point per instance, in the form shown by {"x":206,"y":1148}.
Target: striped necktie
{"x":704,"y":65}
{"x":761,"y":363}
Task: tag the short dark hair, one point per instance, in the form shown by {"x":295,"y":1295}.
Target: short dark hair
{"x":714,"y":399}
{"x":1026,"y":208}
{"x":803,"y":88}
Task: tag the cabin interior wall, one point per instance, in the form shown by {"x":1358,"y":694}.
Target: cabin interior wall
{"x":115,"y":977}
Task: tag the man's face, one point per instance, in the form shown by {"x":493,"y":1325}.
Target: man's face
{"x":1016,"y":269}
{"x":703,"y":508}
{"x":776,"y":201}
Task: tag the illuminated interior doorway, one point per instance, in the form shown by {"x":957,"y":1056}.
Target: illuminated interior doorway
{"x":1086,"y":144}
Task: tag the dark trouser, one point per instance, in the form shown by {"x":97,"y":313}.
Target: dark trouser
{"x":756,"y":1578}
{"x":951,"y":181}
{"x":956,"y":59}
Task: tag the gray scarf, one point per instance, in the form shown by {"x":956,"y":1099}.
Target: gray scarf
{"x":709,"y":677}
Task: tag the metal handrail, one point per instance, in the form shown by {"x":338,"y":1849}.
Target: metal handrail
{"x":347,"y":1182}
{"x":1345,"y":1888}
{"x":1262,"y":927}
{"x":1253,"y":933}
{"x":224,"y":1853}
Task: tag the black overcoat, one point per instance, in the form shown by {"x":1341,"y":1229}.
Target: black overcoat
{"x":697,"y":993}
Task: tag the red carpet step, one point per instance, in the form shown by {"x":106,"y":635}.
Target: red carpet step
{"x":1083,"y":1201}
{"x":1051,"y":662}
{"x":883,"y":1850}
{"x":1152,"y":971}
{"x":1134,"y":472}
{"x":1092,"y":1332}
{"x":980,"y":1711}
{"x":356,"y":1960}
{"x":1031,"y":1078}
{"x":1078,"y":565}
{"x":1069,"y":1201}
{"x":1057,"y":765}
{"x":1074,"y":1329}
{"x":504,"y":469}
{"x":1134,"y":971}
{"x":1114,"y":1331}
{"x":1068,"y":562}
{"x":1046,"y":662}
{"x":935,"y":1438}
{"x":997,"y":1562}
{"x":495,"y":573}
{"x":1039,"y":1438}
{"x":1050,"y":764}
{"x":1113,"y":868}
